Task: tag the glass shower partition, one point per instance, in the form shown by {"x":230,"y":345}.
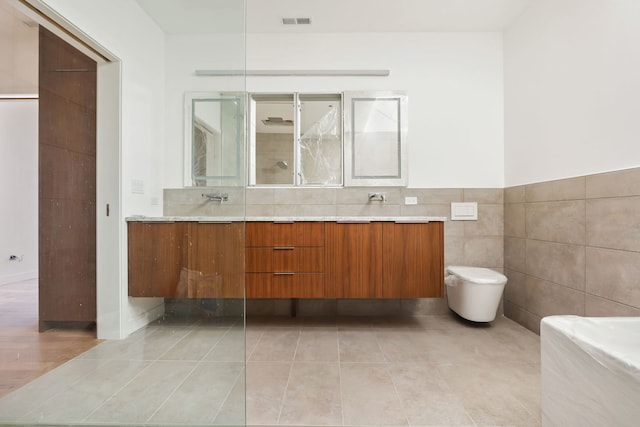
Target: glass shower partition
{"x":171,"y":318}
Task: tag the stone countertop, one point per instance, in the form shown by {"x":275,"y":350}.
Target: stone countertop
{"x":216,"y":219}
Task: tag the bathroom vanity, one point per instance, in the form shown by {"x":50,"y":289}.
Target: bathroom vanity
{"x":187,"y":257}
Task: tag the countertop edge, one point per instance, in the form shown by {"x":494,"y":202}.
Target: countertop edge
{"x":213,"y":219}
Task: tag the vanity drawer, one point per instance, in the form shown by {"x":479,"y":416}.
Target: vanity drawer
{"x":291,"y":285}
{"x":285,"y":259}
{"x":285,"y":234}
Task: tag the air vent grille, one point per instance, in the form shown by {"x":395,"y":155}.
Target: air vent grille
{"x":296,"y":21}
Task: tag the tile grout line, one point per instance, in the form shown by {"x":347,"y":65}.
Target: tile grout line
{"x":395,"y":388}
{"x":340,"y":378}
{"x":286,"y":387}
{"x":121,"y":388}
{"x":218,"y":342}
{"x":226,"y":398}
{"x":173,"y":392}
{"x":198,"y":363}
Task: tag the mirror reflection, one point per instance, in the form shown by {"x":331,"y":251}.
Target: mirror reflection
{"x":216,"y":132}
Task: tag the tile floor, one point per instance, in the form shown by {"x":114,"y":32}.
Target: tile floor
{"x":426,"y":371}
{"x":169,"y":373}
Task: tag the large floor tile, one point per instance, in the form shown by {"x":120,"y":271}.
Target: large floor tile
{"x":317,"y":345}
{"x":195,"y":345}
{"x":491,"y":394}
{"x":81,"y":398}
{"x":201,"y":396}
{"x":359,"y":345}
{"x":276,"y":345}
{"x":266,"y":385}
{"x":426,"y":398}
{"x":313,"y":395}
{"x":369,"y":396}
{"x":141,"y":398}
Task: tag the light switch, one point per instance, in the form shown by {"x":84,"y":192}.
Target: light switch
{"x":467,"y":211}
{"x":137,"y":186}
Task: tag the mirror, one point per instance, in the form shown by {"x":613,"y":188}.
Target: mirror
{"x":376,"y":128}
{"x":295,"y":139}
{"x":214,"y":132}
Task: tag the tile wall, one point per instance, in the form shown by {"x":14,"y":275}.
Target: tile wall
{"x":474,"y":243}
{"x":572,"y":246}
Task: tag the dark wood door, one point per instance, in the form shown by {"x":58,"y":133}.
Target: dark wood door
{"x":354,"y":260}
{"x":67,"y":183}
{"x":413,"y":260}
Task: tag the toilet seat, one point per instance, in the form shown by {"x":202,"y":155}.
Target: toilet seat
{"x":479,"y":275}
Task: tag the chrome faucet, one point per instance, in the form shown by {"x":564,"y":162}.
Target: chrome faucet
{"x":219,"y":197}
{"x":380,"y":197}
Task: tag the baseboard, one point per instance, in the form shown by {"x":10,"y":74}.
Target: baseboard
{"x":18,"y":277}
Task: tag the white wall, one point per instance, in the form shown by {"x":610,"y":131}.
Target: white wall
{"x":454,"y":82}
{"x":185,"y":54}
{"x":124,"y":29}
{"x":572,"y":92}
{"x":18,"y":190}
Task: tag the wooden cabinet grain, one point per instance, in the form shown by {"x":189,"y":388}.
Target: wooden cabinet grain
{"x":413,"y":260}
{"x":156,"y":258}
{"x":354,"y":260}
{"x":215,"y":260}
{"x":285,"y":260}
{"x":186,"y":260}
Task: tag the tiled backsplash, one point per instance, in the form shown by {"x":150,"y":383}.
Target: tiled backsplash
{"x":474,"y":243}
{"x":572,"y":246}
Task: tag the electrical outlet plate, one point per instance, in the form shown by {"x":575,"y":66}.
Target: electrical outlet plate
{"x":410,"y":200}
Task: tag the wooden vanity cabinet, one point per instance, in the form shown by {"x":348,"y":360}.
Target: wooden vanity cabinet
{"x":413,"y":260}
{"x":385,"y":260}
{"x":354,"y":260}
{"x":285,"y":260}
{"x":215,"y":260}
{"x":156,"y":257}
{"x":186,"y":259}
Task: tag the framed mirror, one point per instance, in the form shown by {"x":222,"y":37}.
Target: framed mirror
{"x":376,"y":138}
{"x":214,"y":139}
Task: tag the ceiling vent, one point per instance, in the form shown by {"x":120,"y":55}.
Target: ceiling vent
{"x":296,"y":21}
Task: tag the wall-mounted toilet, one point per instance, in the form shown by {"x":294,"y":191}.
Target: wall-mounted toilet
{"x":474,"y":293}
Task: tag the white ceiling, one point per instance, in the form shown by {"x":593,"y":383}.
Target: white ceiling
{"x":18,"y":39}
{"x":333,"y":16}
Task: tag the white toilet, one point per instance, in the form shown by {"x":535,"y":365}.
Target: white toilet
{"x":474,"y":293}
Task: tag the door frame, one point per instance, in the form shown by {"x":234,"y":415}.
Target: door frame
{"x":110,"y":230}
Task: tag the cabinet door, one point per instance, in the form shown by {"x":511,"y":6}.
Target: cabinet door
{"x":354,"y":260}
{"x":285,"y":234}
{"x":413,"y":263}
{"x":291,"y":285}
{"x":282,"y":259}
{"x":216,"y":260}
{"x":156,"y":258}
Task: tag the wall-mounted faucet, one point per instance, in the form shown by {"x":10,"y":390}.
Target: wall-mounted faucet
{"x":377,"y":197}
{"x":219,"y":197}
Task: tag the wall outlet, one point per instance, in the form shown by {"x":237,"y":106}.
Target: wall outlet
{"x":411,"y":200}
